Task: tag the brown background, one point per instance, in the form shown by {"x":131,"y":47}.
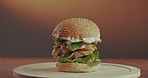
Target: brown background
{"x":26,"y":26}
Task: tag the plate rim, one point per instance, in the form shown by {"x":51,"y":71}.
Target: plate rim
{"x":134,"y":70}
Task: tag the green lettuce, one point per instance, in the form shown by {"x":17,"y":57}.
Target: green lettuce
{"x":95,"y":55}
{"x":79,"y":60}
{"x":60,"y":41}
{"x":94,"y":63}
{"x":83,"y":59}
{"x":71,"y":47}
{"x":65,"y":60}
{"x":74,"y":46}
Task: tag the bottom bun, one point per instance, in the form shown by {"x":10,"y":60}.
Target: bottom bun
{"x":76,"y":67}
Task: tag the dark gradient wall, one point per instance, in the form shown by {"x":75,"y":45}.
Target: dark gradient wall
{"x":26,"y":26}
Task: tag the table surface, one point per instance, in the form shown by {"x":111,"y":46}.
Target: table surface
{"x":8,"y":64}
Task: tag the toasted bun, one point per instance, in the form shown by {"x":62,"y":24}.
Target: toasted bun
{"x":77,"y":28}
{"x":76,"y":67}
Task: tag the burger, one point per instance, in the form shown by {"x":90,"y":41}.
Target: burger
{"x":75,"y":45}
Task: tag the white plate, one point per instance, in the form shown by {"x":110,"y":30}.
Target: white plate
{"x":48,"y":70}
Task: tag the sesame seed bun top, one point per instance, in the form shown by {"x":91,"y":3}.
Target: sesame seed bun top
{"x":77,"y":29}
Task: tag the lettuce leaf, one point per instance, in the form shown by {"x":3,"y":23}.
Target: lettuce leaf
{"x":94,"y":63}
{"x":82,"y":60}
{"x":60,"y":41}
{"x":65,"y":60}
{"x":95,"y":55}
{"x":78,"y":60}
{"x":71,"y":47}
{"x":74,"y":46}
{"x":87,"y":58}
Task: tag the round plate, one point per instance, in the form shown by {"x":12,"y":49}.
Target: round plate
{"x":48,"y":70}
